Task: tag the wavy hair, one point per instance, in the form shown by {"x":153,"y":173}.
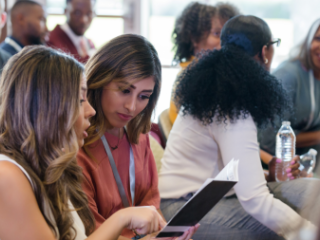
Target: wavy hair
{"x":230,"y":83}
{"x":194,"y":24}
{"x":39,"y":104}
{"x":125,"y":57}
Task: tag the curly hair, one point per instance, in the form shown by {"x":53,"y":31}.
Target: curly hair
{"x":194,"y":24}
{"x":228,"y":83}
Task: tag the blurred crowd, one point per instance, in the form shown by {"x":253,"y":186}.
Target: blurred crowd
{"x":81,"y":159}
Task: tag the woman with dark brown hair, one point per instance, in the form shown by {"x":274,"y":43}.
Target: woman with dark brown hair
{"x":198,"y":28}
{"x":43,"y":120}
{"x":124,"y":80}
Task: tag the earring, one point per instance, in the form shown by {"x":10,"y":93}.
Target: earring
{"x":266,"y":61}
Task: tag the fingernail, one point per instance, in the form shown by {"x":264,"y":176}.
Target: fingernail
{"x":288,"y":170}
{"x":289,"y":174}
{"x":291,"y":178}
{"x":293,"y":162}
{"x":278,"y":160}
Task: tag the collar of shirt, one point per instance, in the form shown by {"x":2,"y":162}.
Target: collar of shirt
{"x":73,"y":37}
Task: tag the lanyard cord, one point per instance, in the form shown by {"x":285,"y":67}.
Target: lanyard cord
{"x":116,"y":175}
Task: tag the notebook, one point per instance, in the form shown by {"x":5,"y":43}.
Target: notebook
{"x":209,"y":194}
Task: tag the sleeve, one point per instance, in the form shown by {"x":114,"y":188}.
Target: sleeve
{"x":288,"y":78}
{"x":152,"y":196}
{"x":88,"y":186}
{"x":239,"y":141}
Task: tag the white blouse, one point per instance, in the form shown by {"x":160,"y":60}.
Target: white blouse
{"x":195,"y":152}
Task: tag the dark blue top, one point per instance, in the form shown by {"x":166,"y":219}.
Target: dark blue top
{"x":4,"y":57}
{"x":8,"y":48}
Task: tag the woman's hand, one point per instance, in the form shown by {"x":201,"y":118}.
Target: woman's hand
{"x":186,"y":236}
{"x":293,"y":171}
{"x":143,"y":220}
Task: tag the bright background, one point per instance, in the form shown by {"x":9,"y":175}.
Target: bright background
{"x":154,"y":19}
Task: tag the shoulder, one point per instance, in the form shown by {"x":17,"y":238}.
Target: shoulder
{"x":4,"y":55}
{"x":85,"y":161}
{"x":289,"y":70}
{"x":244,"y":123}
{"x":55,"y":36}
{"x":12,"y":179}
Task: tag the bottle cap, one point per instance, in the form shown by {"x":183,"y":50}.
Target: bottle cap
{"x":286,"y":123}
{"x":313,"y":151}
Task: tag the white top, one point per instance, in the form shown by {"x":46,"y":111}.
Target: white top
{"x":78,"y":224}
{"x":84,"y":49}
{"x":195,"y":152}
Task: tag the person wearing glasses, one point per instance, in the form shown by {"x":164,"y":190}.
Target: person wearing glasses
{"x":224,"y":97}
{"x":69,"y":37}
{"x":300,"y":76}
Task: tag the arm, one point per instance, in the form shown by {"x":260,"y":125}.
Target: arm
{"x":307,"y":139}
{"x":144,"y":220}
{"x":150,"y":193}
{"x":19,"y":208}
{"x":265,"y":157}
{"x":90,"y":192}
{"x":239,"y":141}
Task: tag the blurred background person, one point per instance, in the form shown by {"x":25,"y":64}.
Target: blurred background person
{"x":69,"y":37}
{"x":28,"y":20}
{"x":300,"y":76}
{"x":198,"y":28}
{"x":4,"y":56}
{"x":222,"y":96}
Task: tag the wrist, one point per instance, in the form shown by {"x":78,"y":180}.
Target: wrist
{"x":124,"y":220}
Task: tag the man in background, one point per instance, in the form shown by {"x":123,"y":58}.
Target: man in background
{"x":69,"y":37}
{"x":28,"y":21}
{"x":4,"y":56}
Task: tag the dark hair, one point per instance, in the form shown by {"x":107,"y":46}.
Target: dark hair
{"x":129,"y":57}
{"x":229,"y":83}
{"x":194,"y":24}
{"x":304,"y":54}
{"x":249,"y":33}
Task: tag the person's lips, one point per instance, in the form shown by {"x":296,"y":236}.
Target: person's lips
{"x":85,"y":134}
{"x":124,"y":117}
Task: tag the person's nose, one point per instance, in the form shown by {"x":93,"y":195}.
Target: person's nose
{"x":89,"y":111}
{"x":85,"y":19}
{"x":130,"y":104}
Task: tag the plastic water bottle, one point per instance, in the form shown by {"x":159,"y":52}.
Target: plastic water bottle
{"x":308,"y":162}
{"x":285,"y":150}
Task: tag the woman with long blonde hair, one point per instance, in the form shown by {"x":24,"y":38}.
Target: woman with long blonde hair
{"x":124,"y":79}
{"x":44,"y":116}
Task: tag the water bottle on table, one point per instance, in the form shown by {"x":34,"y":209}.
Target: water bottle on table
{"x":285,"y":150}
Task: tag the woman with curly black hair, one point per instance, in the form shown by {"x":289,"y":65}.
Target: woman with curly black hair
{"x":198,"y":28}
{"x":224,"y":96}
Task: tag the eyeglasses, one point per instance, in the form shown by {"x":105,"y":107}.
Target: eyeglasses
{"x":277,"y":41}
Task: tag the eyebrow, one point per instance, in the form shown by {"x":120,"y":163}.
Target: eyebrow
{"x":133,"y":87}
